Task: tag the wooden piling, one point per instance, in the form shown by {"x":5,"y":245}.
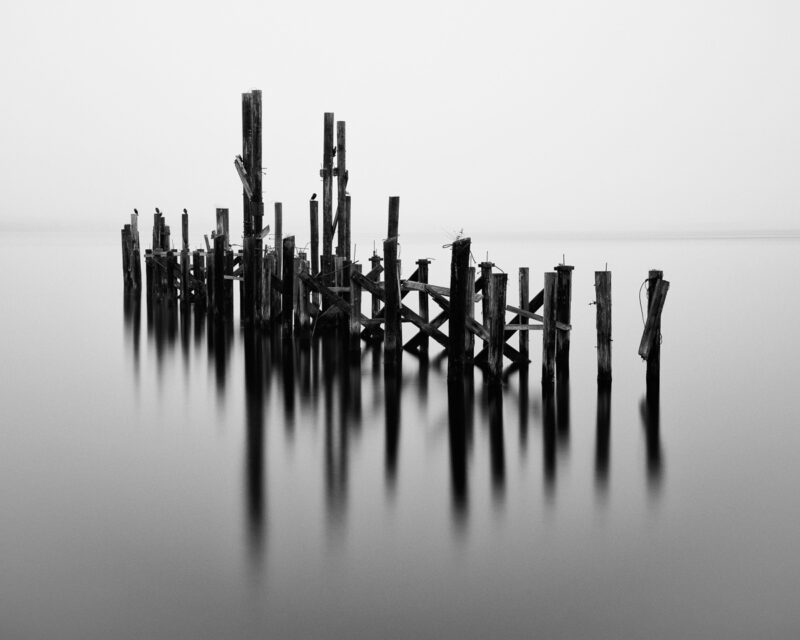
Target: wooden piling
{"x":222,"y":225}
{"x":303,"y":316}
{"x":247,"y":139}
{"x":549,"y":328}
{"x":248,"y":277}
{"x":185,"y":258}
{"x":268,"y":295}
{"x":375,"y":262}
{"x":650,"y":346}
{"x":459,"y":283}
{"x":469,"y":353}
{"x":602,"y":292}
{"x":498,"y":283}
{"x":524,"y":298}
{"x":393,"y":338}
{"x":355,"y":312}
{"x":198,"y":278}
{"x":313,"y":206}
{"x":348,"y":247}
{"x":394,"y":217}
{"x":341,"y":183}
{"x":422,"y":277}
{"x":327,"y":200}
{"x":254,"y":167}
{"x":486,"y":276}
{"x":563,"y":315}
{"x":219,"y":274}
{"x":279,"y":236}
{"x":287,"y":302}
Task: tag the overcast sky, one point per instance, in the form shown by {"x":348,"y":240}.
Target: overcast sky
{"x":557,"y":115}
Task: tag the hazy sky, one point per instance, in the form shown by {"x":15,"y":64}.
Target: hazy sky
{"x":558,"y":115}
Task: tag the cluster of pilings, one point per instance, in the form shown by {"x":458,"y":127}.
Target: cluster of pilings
{"x":285,"y":290}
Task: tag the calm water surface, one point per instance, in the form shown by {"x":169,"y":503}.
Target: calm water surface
{"x":165,"y":478}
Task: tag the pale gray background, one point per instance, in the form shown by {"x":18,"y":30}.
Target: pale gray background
{"x":560,"y":116}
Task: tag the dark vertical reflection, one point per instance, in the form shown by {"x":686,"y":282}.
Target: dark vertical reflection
{"x":651,"y":421}
{"x":336,"y":461}
{"x":549,"y":437}
{"x":162,"y":326}
{"x":458,"y":429}
{"x":391,"y":385}
{"x":132,"y":318}
{"x":220,"y":336}
{"x":199,"y":325}
{"x":602,"y":439}
{"x":496,"y":444}
{"x":563,"y":412}
{"x":186,"y":339}
{"x":288,"y":382}
{"x":254,"y":363}
{"x":524,"y":410}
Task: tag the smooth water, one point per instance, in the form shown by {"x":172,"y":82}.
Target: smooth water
{"x":165,"y":478}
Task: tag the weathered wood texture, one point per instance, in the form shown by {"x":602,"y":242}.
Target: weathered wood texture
{"x":649,"y":347}
{"x":393,"y":338}
{"x":524,"y":293}
{"x":549,"y":331}
{"x":563,"y":315}
{"x":602,"y":292}
{"x":422,"y":278}
{"x":498,"y":284}
{"x":327,"y":199}
{"x":459,"y":283}
{"x":287,"y":299}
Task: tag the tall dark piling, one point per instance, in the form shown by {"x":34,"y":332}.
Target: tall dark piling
{"x":563,"y":316}
{"x":459,"y":283}
{"x":313,"y":206}
{"x":348,"y":247}
{"x":602,"y":292}
{"x":279,"y":236}
{"x":355,"y":313}
{"x":287,"y":302}
{"x":327,"y":201}
{"x":375,"y":262}
{"x":219,"y":275}
{"x":486,"y":276}
{"x":422,"y":277}
{"x":185,"y":258}
{"x":524,"y":299}
{"x":469,"y":348}
{"x":267,"y":308}
{"x":393,"y":336}
{"x":303,"y":315}
{"x":498,"y":283}
{"x":549,"y":329}
{"x":341,"y":184}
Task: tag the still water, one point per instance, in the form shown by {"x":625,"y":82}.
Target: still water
{"x":165,"y":478}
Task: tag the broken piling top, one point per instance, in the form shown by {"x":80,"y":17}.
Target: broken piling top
{"x":649,"y":347}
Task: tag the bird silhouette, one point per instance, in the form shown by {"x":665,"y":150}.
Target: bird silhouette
{"x":185,"y":211}
{"x":136,"y":211}
{"x":313,"y":196}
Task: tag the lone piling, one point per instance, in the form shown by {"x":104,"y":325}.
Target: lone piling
{"x":602,"y":292}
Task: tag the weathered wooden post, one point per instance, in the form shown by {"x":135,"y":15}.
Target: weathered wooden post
{"x":185,"y":258}
{"x":341,"y":183}
{"x":198,"y":278}
{"x":486,"y":276}
{"x":256,"y":262}
{"x":469,"y":354}
{"x":602,"y":292}
{"x":422,"y":277}
{"x":149,"y":270}
{"x":459,"y":295}
{"x":136,"y":260}
{"x":375,"y":262}
{"x":279,"y":236}
{"x":524,"y":301}
{"x":650,"y":346}
{"x":327,"y":202}
{"x":393,"y":338}
{"x":355,"y":314}
{"x":563,"y":315}
{"x":314,"y":222}
{"x":549,"y":329}
{"x":269,"y":294}
{"x":498,"y":283}
{"x":287,"y":310}
{"x":348,"y":247}
{"x":247,"y":308}
{"x":219,"y":275}
{"x":303,"y":318}
{"x":394,"y":217}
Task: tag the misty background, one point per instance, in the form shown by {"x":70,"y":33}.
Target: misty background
{"x":577,"y":116}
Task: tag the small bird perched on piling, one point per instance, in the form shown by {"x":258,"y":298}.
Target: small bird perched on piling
{"x":136,"y":211}
{"x":313,"y":196}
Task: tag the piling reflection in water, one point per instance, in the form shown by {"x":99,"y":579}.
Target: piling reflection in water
{"x":651,"y":421}
{"x":602,"y":455}
{"x":132,"y":322}
{"x":321,"y":375}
